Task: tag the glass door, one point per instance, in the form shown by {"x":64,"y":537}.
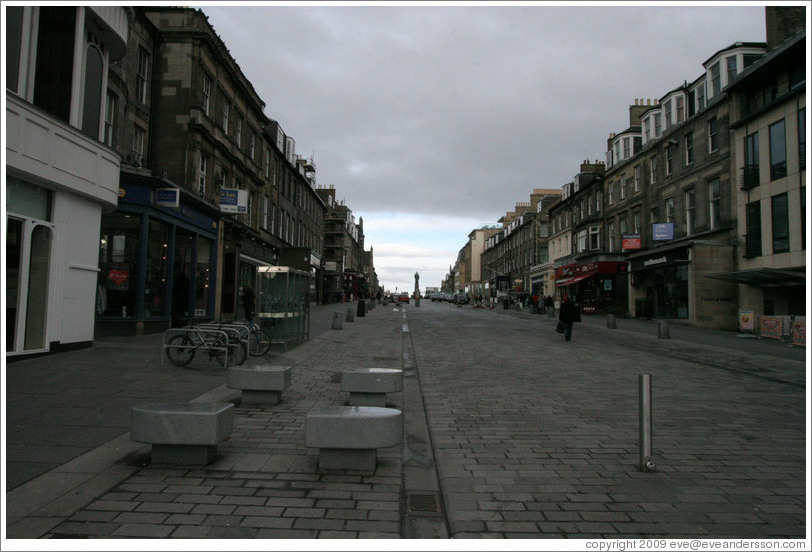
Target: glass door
{"x":28,"y":269}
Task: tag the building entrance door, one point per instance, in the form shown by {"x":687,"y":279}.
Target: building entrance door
{"x":28,"y":268}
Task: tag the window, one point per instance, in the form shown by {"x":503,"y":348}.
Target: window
{"x":141,"y":74}
{"x":14,"y":32}
{"x":598,"y":200}
{"x":669,"y":159}
{"x":751,"y":164}
{"x":803,"y":217}
{"x":582,"y":237}
{"x":91,"y":104}
{"x":139,"y":139}
{"x":238,"y":133}
{"x":610,"y":234}
{"x":802,"y":138}
{"x":752,"y":246}
{"x":714,"y":204}
{"x":53,"y":78}
{"x":611,"y":193}
{"x":669,"y":209}
{"x":780,"y":221}
{"x":206,"y":93}
{"x":226,"y":113}
{"x":623,"y":186}
{"x":691,"y":103}
{"x":778,"y":151}
{"x":700,"y":96}
{"x":716,"y":80}
{"x":250,"y":208}
{"x":652,"y":215}
{"x":668,"y":121}
{"x":657,"y":125}
{"x":647,"y":129}
{"x":252,"y":144}
{"x":223,"y":178}
{"x":201,"y":175}
{"x":637,"y":178}
{"x":594,"y":238}
{"x":267,"y":162}
{"x":109,"y":119}
{"x":680,"y":101}
{"x":627,"y":148}
{"x":689,"y":212}
{"x":636,"y":222}
{"x":652,"y":164}
{"x":689,"y":148}
{"x":624,"y":228}
{"x":731,"y":68}
{"x":713,"y":135}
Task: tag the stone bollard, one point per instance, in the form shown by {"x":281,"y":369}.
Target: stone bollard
{"x":338,"y":320}
{"x":350,"y":315}
{"x":611,"y":322}
{"x":662,"y":330}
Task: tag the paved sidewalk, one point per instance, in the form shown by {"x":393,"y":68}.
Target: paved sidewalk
{"x":509,"y":432}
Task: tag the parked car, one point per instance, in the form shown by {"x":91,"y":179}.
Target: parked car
{"x":460,"y":298}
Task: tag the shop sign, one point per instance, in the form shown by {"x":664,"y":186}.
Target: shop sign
{"x":662,"y":231}
{"x":632,"y":241}
{"x":118,"y":276}
{"x":770,"y":326}
{"x":167,"y":197}
{"x":233,"y":201}
{"x":747,"y":320}
{"x":799,"y":334}
{"x":677,"y":257}
{"x":607,"y":284}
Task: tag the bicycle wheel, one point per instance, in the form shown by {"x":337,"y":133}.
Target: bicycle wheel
{"x":236,"y":352}
{"x":180,"y":350}
{"x":259,"y":343}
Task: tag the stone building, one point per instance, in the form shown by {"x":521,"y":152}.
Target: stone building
{"x":343,"y":262}
{"x":61,"y":172}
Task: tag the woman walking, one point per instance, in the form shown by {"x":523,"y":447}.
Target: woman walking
{"x":567,"y":314}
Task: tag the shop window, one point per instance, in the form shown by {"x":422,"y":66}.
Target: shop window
{"x":156,"y":269}
{"x":203,"y":275}
{"x":118,"y":265}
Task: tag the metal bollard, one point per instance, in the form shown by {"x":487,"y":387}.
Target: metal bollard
{"x":338,"y":320}
{"x":644,"y":384}
{"x":611,"y":322}
{"x":350,"y":315}
{"x":663,"y":331}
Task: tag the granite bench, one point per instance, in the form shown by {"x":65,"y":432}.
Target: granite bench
{"x":369,"y":386}
{"x":182,"y":432}
{"x":348,"y":436}
{"x":260,"y":384}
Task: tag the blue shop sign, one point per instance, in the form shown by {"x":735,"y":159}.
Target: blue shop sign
{"x":132,"y":193}
{"x":662,"y":231}
{"x":167,"y":197}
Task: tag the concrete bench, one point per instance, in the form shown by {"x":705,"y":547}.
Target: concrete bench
{"x":260,"y":384}
{"x":182,"y":432}
{"x":369,"y":386}
{"x":348,"y":436}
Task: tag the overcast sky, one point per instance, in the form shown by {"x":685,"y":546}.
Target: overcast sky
{"x":432,"y":120}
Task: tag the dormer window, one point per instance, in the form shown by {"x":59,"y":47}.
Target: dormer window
{"x":731,"y":64}
{"x":716,"y":79}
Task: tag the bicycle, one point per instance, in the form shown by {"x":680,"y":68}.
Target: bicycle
{"x":259,"y":342}
{"x":218,"y":343}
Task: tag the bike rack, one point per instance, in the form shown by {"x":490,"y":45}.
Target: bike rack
{"x":195,"y":331}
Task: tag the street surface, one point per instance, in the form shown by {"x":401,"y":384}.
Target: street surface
{"x":510,"y":432}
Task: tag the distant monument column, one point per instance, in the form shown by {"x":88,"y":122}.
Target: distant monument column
{"x":416,"y":289}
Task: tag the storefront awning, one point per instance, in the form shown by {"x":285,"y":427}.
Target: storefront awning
{"x":765,"y":277}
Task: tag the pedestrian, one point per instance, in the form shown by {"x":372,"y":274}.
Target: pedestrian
{"x":248,"y":302}
{"x":567,"y":314}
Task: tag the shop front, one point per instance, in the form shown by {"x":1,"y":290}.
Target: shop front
{"x":244,"y":251}
{"x":599,"y":287}
{"x":157,"y":260}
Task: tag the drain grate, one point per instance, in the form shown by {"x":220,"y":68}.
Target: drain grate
{"x":424,"y":504}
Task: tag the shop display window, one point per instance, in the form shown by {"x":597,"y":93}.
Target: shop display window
{"x":155,"y":288}
{"x":118,"y":264}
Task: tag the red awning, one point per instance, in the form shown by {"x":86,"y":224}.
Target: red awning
{"x":563,"y":282}
{"x":580,"y":277}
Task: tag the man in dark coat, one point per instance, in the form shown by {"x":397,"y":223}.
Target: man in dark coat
{"x":567,"y":314}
